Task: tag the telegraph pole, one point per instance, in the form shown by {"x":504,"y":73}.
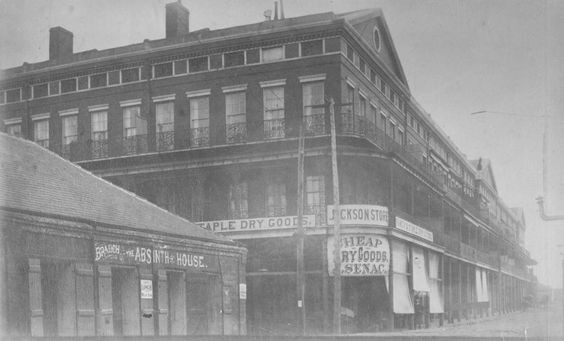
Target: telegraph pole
{"x":337,"y":225}
{"x":300,"y":234}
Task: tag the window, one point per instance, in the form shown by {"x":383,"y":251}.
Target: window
{"x":13,"y":95}
{"x":396,"y":100}
{"x":350,"y":53}
{"x":386,"y":90}
{"x":2,"y":98}
{"x":399,"y":137}
{"x":311,"y":48}
{"x":40,"y":90}
{"x":373,"y":76}
{"x":377,"y":39}
{"x":348,"y":105}
{"x":391,"y":129}
{"x":362,"y":66}
{"x":362,"y":108}
{"x":372,"y":116}
{"x":14,"y":129}
{"x":99,"y":135}
{"x":41,"y":132}
{"x":130,"y":75}
{"x":134,"y":130}
{"x":274,"y":124}
{"x":199,"y":121}
{"x":382,"y":123}
{"x":70,"y":134}
{"x":162,"y":70}
{"x":236,"y":117}
{"x":198,"y":64}
{"x":272,"y":54}
{"x":98,"y":80}
{"x":315,"y":197}
{"x":234,"y":58}
{"x":314,"y":107}
{"x":238,"y":204}
{"x":165,"y":125}
{"x":68,"y":85}
{"x":275,"y":199}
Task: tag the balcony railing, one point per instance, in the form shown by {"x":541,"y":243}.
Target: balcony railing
{"x":314,"y":124}
{"x":274,"y":129}
{"x":236,"y":132}
{"x":99,"y":148}
{"x":200,"y":137}
{"x":136,"y":144}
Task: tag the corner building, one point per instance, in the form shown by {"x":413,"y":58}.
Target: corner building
{"x":205,"y":124}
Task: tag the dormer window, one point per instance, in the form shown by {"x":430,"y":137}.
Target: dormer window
{"x":377,"y":39}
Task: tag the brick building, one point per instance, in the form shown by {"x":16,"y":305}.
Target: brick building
{"x":205,"y":125}
{"x":83,"y":257}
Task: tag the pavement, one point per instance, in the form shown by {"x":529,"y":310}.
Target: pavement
{"x":544,"y":323}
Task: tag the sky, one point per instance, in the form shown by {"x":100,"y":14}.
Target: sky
{"x":459,"y":56}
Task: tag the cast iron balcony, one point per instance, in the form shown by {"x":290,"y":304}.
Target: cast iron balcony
{"x":236,"y":132}
{"x":314,"y":124}
{"x":135,"y":144}
{"x":200,"y":137}
{"x":99,"y":145}
{"x":274,"y":129}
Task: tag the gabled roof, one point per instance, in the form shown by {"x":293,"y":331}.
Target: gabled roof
{"x":485,"y":172}
{"x":364,"y":22}
{"x":35,"y":180}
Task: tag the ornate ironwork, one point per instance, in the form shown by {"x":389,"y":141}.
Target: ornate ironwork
{"x":236,"y":132}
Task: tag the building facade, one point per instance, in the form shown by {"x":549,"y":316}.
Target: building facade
{"x":82,"y":257}
{"x":205,"y":124}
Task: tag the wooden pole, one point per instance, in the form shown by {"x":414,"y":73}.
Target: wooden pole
{"x":337,"y":227}
{"x":300,"y":234}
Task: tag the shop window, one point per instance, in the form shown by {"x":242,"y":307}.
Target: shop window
{"x":236,"y":117}
{"x":68,"y":85}
{"x":41,"y":90}
{"x":162,"y":70}
{"x":274,"y":122}
{"x":276,"y":199}
{"x":198,"y":64}
{"x":13,"y":95}
{"x":311,"y":48}
{"x":234,"y":58}
{"x":165,"y":125}
{"x":272,"y":53}
{"x":99,"y":80}
{"x":130,"y":75}
{"x":238,"y":203}
{"x":199,"y":121}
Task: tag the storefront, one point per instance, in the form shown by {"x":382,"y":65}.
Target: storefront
{"x":86,"y":258}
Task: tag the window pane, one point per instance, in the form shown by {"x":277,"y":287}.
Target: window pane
{"x":234,"y":58}
{"x":273,"y":103}
{"x":40,"y":90}
{"x":235,"y":107}
{"x":313,"y":98}
{"x":198,"y":64}
{"x":99,"y":125}
{"x":276,"y":199}
{"x":310,"y":48}
{"x":70,"y":129}
{"x":99,"y":80}
{"x":199,"y":112}
{"x":14,"y":130}
{"x":164,"y":116}
{"x":41,"y":132}
{"x":272,"y":53}
{"x":130,"y":75}
{"x":133,"y":123}
{"x":13,"y":95}
{"x":163,"y":70}
{"x":68,"y":85}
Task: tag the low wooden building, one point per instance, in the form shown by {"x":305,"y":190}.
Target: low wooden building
{"x":82,"y":256}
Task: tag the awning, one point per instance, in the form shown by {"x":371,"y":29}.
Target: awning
{"x":420,"y":280}
{"x":436,"y":305}
{"x":402,"y":302}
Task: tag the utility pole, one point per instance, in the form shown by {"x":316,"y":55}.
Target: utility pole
{"x":337,"y":225}
{"x":300,"y":234}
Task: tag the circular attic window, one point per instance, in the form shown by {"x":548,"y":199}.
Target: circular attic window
{"x":377,"y":39}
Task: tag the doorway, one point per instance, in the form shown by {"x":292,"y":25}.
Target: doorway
{"x":177,"y":302}
{"x":125,"y":301}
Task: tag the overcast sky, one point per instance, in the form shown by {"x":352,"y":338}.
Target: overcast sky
{"x":459,"y":57}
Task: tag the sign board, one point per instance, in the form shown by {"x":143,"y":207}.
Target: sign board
{"x":359,"y":215}
{"x":413,"y":229}
{"x":253,"y":224}
{"x":243,"y":291}
{"x":147,"y":289}
{"x":361,"y":255}
{"x":118,"y":253}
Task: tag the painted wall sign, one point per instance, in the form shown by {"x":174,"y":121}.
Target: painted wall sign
{"x":111,"y":252}
{"x":413,"y":229}
{"x":251,"y":224}
{"x":361,"y":255}
{"x":359,"y":215}
{"x":147,"y":289}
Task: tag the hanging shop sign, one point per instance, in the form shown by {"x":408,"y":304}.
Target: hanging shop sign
{"x":252,"y":224}
{"x":361,"y":255}
{"x":131,"y":254}
{"x":413,"y":229}
{"x":359,"y":215}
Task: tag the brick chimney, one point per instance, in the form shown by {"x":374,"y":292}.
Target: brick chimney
{"x":177,"y":20}
{"x":60,"y":43}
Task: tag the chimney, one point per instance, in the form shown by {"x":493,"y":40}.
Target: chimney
{"x":60,"y":43}
{"x":177,"y":20}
